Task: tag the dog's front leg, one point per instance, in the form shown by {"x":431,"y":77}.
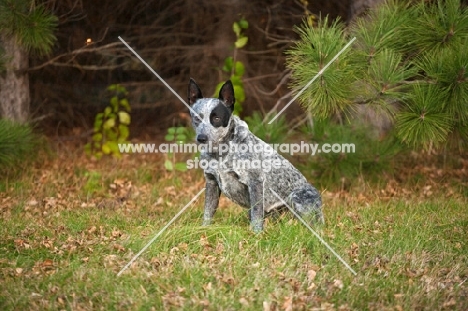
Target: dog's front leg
{"x":256,"y":206}
{"x":212,"y":194}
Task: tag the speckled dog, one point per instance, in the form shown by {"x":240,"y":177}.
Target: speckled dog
{"x":229,"y":171}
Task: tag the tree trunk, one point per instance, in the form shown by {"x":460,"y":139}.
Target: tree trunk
{"x":14,"y":82}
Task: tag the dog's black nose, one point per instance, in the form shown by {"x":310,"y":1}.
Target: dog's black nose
{"x":202,"y":138}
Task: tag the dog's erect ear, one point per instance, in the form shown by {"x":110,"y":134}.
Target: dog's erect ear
{"x":226,"y":95}
{"x":194,"y":92}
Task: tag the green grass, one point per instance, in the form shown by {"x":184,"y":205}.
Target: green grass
{"x":409,"y":253}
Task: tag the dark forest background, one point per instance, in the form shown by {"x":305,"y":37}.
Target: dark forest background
{"x":179,"y":39}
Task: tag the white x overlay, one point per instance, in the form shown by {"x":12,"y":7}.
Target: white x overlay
{"x":199,"y":193}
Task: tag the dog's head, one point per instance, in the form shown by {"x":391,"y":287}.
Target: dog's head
{"x":214,"y":114}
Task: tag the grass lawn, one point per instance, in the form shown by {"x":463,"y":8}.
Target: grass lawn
{"x":71,"y":224}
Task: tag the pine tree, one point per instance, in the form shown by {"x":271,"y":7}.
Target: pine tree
{"x":24,"y":28}
{"x":409,"y":61}
{"x":17,"y":146}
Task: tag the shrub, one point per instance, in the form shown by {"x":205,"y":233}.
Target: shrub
{"x":17,"y":145}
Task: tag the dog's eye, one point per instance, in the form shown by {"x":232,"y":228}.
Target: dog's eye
{"x":216,"y":120}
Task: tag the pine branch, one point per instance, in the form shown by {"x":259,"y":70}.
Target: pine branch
{"x":411,"y":54}
{"x":32,"y":26}
{"x":437,"y":27}
{"x":330,"y":93}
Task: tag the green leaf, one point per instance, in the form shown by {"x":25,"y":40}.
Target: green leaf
{"x":228,"y":64}
{"x":109,"y":124}
{"x":113,"y":146}
{"x":241,"y":42}
{"x":124,"y":103}
{"x":107,"y":111}
{"x":236,"y":80}
{"x":181,"y":166}
{"x":99,"y":116}
{"x":180,"y":129}
{"x":169,"y":137}
{"x":243,"y":23}
{"x":121,"y":90}
{"x":171,"y":130}
{"x":236,"y":28}
{"x":106,"y":149}
{"x":112,"y":134}
{"x":98,"y":121}
{"x":168,"y":165}
{"x":114,"y":103}
{"x":240,"y":69}
{"x":124,"y":117}
{"x":240,"y":94}
{"x":97,"y":137}
{"x":181,"y":138}
{"x":124,"y":132}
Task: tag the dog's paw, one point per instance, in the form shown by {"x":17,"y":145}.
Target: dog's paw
{"x":206,"y":222}
{"x":257,"y":228}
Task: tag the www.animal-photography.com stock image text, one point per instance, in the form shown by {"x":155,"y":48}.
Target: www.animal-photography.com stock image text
{"x":234,"y":155}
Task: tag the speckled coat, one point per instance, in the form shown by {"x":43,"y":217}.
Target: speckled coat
{"x":231,"y":171}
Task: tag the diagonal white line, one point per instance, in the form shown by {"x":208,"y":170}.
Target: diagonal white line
{"x":315,"y":233}
{"x":159,"y":77}
{"x":313,"y":79}
{"x":160,"y":232}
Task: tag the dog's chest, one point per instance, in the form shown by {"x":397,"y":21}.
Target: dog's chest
{"x":229,"y":181}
